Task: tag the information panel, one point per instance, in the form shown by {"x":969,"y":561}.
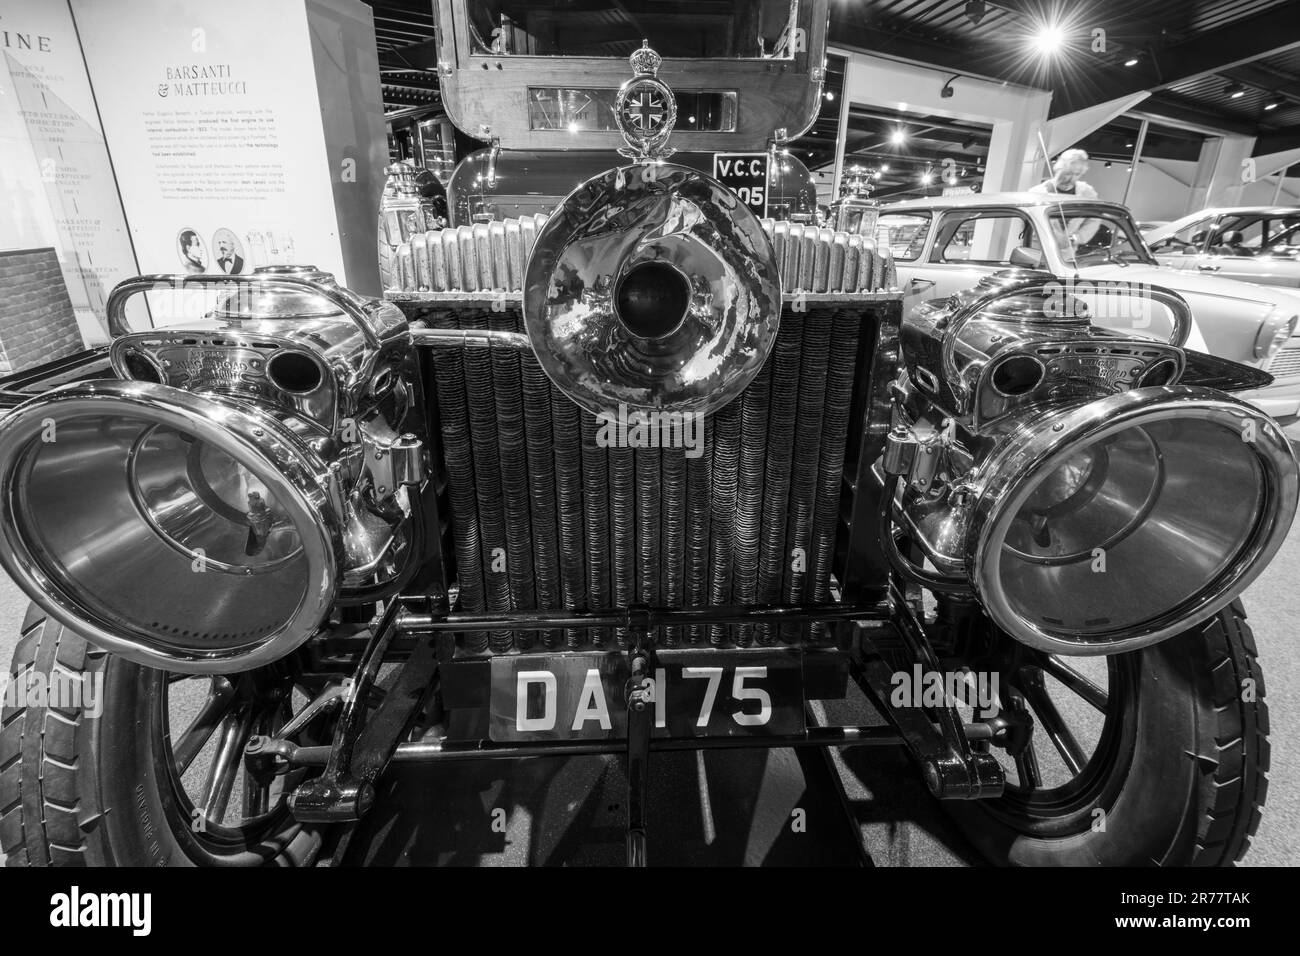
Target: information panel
{"x":55,"y":176}
{"x":220,"y":120}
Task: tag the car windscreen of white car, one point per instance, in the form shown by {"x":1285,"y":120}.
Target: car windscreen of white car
{"x":904,"y":233}
{"x":1090,"y":237}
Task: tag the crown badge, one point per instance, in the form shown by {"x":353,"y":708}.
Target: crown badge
{"x":645,"y":108}
{"x":645,"y":61}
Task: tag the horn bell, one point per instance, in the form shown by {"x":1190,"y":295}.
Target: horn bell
{"x":654,"y":287}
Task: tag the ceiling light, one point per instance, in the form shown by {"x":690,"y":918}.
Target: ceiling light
{"x":884,"y":167}
{"x":1049,"y":39}
{"x":898,"y":137}
{"x":926,"y":177}
{"x":1131,"y":61}
{"x":829,"y":95}
{"x":975,"y":10}
{"x":1271,"y":105}
{"x":1109,"y":164}
{"x":1235,"y":90}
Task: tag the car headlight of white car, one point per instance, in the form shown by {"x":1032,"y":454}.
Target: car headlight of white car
{"x":1273,"y":334}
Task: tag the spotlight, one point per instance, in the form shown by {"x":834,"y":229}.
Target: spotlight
{"x":1131,"y":61}
{"x":884,"y":167}
{"x":1109,"y":164}
{"x":573,"y":127}
{"x":830,"y":96}
{"x":1271,"y":105}
{"x":947,"y":90}
{"x":927,"y":177}
{"x":1049,"y":39}
{"x":898,"y":137}
{"x":1235,"y":90}
{"x":690,"y":119}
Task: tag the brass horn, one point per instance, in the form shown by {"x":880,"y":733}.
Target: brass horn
{"x":654,"y":287}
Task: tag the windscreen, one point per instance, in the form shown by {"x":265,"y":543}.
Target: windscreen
{"x":614,"y":28}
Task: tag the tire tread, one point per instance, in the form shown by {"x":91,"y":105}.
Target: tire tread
{"x":39,"y":761}
{"x":1234,"y":792}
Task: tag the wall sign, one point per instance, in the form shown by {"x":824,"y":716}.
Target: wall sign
{"x":745,"y":174}
{"x":243,"y":133}
{"x":55,"y":177}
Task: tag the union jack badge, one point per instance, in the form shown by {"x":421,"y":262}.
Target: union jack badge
{"x":645,"y":108}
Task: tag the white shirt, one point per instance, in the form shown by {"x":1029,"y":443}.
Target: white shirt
{"x":1081,"y":189}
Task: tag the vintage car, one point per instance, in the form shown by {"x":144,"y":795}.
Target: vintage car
{"x":1252,"y":243}
{"x":945,"y":244}
{"x":647,"y":473}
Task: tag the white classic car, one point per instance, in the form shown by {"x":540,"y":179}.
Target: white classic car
{"x":1252,"y":243}
{"x":945,"y":244}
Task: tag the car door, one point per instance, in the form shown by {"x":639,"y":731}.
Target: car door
{"x":906,"y":233}
{"x":972,"y":242}
{"x":1231,"y":246}
{"x":1184,"y":248}
{"x":1252,"y":255}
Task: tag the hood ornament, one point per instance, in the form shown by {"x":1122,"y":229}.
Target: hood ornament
{"x":645,"y":109}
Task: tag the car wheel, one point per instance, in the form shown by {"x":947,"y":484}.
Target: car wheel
{"x":103,"y":781}
{"x":1171,"y":772}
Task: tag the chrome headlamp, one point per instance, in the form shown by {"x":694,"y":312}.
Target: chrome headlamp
{"x":1061,"y":474}
{"x":167,"y":527}
{"x":1117,"y":523}
{"x":251,"y":472}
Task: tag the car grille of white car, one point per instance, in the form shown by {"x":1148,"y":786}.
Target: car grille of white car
{"x":1286,"y":362}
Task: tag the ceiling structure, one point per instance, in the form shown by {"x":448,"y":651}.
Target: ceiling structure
{"x":1213,"y":65}
{"x":1216,"y":64}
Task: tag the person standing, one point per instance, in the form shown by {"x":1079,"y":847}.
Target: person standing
{"x":1067,"y":176}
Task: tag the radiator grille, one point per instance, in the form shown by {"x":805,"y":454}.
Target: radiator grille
{"x":544,"y":516}
{"x":1287,"y":362}
{"x":493,"y":257}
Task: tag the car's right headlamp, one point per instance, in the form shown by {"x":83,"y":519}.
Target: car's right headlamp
{"x":1273,"y":333}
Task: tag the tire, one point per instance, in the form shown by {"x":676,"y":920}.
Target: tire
{"x":79,"y":788}
{"x":1185,"y":777}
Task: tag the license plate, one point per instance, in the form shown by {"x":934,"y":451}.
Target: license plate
{"x":697,"y":694}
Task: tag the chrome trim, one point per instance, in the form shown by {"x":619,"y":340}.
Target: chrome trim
{"x":479,"y":338}
{"x":1035,"y":284}
{"x":351,"y":306}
